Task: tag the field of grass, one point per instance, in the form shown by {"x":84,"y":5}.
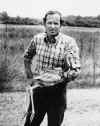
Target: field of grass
{"x":15,"y":39}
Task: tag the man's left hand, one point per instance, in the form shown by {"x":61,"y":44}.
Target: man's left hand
{"x":71,"y":75}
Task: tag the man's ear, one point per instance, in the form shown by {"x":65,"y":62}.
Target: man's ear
{"x":44,"y":21}
{"x":61,"y":23}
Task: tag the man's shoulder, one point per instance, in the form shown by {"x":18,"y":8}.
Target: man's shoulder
{"x":39,"y":35}
{"x":66,"y":37}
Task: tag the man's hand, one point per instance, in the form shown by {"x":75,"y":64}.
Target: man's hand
{"x":70,"y":75}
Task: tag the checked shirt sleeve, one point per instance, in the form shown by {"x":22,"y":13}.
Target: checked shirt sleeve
{"x":30,"y":51}
{"x":72,"y":55}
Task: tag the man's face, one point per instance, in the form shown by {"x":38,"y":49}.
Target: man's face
{"x":52,"y":24}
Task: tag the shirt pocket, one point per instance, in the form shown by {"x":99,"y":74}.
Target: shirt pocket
{"x":59,"y":57}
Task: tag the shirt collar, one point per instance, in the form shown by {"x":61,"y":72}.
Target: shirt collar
{"x":51,"y":40}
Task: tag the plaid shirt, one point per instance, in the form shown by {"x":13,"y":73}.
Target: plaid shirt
{"x":62,"y":53}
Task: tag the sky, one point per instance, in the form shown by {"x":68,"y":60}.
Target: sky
{"x":38,"y":8}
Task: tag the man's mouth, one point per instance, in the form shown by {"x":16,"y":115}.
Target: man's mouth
{"x":52,"y":31}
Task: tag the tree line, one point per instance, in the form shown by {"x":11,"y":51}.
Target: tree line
{"x":6,"y":19}
{"x":71,"y":20}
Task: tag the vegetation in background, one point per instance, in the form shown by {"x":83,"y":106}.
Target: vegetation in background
{"x":70,"y":20}
{"x":15,"y":39}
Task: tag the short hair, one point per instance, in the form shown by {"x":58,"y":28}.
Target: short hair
{"x":51,"y":12}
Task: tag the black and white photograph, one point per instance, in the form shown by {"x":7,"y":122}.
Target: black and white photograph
{"x":49,"y":63}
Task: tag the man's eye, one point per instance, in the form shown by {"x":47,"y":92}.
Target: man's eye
{"x":56,"y":23}
{"x":49,"y":22}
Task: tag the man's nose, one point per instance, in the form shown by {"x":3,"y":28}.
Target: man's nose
{"x":52,"y":25}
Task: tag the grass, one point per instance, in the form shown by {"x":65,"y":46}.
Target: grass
{"x":17,"y":39}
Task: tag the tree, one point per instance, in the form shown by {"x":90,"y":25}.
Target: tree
{"x":4,"y":17}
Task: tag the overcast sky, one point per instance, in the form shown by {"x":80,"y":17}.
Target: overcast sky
{"x":37,"y":8}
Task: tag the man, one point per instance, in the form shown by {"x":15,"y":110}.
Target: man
{"x":53,"y":50}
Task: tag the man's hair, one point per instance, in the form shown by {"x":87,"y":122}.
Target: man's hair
{"x":51,"y":12}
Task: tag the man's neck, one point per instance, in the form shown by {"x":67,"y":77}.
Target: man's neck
{"x":50,"y":39}
{"x":52,"y":36}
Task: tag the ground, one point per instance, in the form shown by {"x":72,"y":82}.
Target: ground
{"x":83,"y":108}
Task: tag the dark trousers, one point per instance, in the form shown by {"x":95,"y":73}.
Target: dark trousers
{"x":50,"y":100}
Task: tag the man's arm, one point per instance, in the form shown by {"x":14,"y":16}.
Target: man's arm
{"x":28,"y":56}
{"x":73,"y":60}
